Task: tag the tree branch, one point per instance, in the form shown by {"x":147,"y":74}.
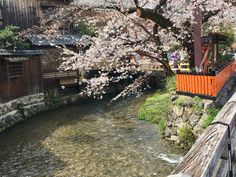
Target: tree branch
{"x":208,"y":15}
{"x":158,"y":7}
{"x":166,"y":66}
{"x":155,"y":38}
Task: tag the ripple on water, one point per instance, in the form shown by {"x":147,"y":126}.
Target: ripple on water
{"x":89,"y":139}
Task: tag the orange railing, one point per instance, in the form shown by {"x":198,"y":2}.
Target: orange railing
{"x":204,"y":84}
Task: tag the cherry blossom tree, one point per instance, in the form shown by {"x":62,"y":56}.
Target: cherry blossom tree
{"x":125,"y":28}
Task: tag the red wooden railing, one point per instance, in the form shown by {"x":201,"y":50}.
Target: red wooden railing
{"x":204,"y":84}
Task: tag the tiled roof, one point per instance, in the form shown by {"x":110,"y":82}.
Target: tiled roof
{"x":67,"y":40}
{"x":125,"y":3}
{"x":20,"y":53}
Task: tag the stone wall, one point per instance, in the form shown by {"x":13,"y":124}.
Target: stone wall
{"x":186,"y":112}
{"x":20,"y":109}
{"x":228,"y":90}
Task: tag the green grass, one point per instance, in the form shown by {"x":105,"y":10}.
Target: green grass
{"x":197,"y":104}
{"x":162,"y":125}
{"x":211,"y":114}
{"x":155,"y":110}
{"x":183,"y":100}
{"x":171,"y":84}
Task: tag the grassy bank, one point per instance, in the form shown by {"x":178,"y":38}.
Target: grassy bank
{"x":155,"y":110}
{"x":163,"y":105}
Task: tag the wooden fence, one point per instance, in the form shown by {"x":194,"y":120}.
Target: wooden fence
{"x":213,"y":155}
{"x":204,"y":84}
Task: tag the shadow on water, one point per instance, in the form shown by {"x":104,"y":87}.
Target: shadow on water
{"x":87,"y":139}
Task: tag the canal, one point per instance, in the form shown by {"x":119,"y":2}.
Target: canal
{"x":89,"y":139}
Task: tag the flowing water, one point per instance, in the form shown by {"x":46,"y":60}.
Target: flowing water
{"x":90,"y":139}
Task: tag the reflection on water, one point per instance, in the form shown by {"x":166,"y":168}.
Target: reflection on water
{"x":87,"y":140}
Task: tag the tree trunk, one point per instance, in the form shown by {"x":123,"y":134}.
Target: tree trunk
{"x":190,"y":50}
{"x":164,"y":63}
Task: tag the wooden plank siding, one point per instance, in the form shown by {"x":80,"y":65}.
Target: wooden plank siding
{"x":25,"y":13}
{"x":30,"y":82}
{"x":22,"y":13}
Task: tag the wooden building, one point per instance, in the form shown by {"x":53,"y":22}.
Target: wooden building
{"x":24,"y":13}
{"x":52,"y":77}
{"x":20,"y":74}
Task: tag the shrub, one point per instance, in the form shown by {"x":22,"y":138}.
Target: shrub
{"x":84,"y":29}
{"x":10,"y":40}
{"x":186,"y":135}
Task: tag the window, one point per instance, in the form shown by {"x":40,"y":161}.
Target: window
{"x":14,"y":69}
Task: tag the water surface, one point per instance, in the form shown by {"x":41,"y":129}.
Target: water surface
{"x":90,"y":139}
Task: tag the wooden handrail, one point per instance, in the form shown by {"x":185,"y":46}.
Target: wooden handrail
{"x":209,"y":155}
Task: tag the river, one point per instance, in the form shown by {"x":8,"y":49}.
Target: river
{"x":89,"y":139}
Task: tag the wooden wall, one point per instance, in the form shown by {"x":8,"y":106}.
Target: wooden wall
{"x":29,"y":83}
{"x":25,"y":13}
{"x":22,"y":13}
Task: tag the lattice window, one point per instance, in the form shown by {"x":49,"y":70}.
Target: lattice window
{"x":15,"y":69}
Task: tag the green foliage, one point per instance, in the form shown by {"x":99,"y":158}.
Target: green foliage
{"x":162,"y":125}
{"x":84,"y":29}
{"x":175,"y":47}
{"x":197,"y":104}
{"x":9,"y":39}
{"x":186,"y":135}
{"x":228,"y":30}
{"x":211,"y":114}
{"x":52,"y":97}
{"x":171,"y":84}
{"x":225,"y":58}
{"x":182,"y":101}
{"x":155,"y":110}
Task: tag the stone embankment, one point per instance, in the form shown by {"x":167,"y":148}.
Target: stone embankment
{"x":25,"y":107}
{"x":189,"y":116}
{"x":20,"y":109}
